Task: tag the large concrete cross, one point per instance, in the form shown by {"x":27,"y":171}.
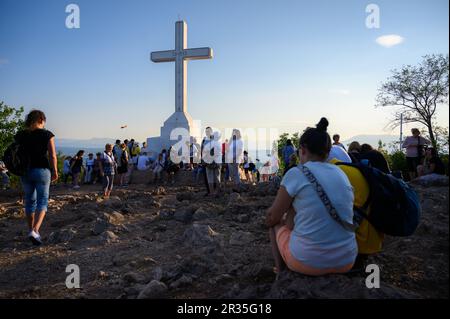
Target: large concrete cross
{"x":181,"y":55}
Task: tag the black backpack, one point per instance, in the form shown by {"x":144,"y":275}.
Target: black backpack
{"x":16,"y":159}
{"x":394,"y":206}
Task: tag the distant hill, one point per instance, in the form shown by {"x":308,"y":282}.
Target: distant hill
{"x":372,"y":139}
{"x":89,"y":143}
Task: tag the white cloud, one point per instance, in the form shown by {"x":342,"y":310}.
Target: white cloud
{"x":340,"y":91}
{"x":3,"y":61}
{"x":389,"y":40}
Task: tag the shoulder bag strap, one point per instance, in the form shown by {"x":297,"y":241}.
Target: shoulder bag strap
{"x":325,"y":199}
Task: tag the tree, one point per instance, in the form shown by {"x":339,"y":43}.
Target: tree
{"x":417,"y":91}
{"x":442,"y":138}
{"x":10,"y":122}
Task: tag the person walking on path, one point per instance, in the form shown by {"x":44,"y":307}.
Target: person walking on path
{"x":39,"y":145}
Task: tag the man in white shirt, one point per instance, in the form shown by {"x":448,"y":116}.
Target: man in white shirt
{"x":143,"y":162}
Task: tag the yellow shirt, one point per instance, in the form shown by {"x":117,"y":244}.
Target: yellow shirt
{"x":369,"y":240}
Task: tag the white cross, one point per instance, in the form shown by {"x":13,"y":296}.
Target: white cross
{"x":181,"y":55}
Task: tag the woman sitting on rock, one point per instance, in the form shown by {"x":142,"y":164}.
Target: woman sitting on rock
{"x":302,"y":230}
{"x":432,"y":164}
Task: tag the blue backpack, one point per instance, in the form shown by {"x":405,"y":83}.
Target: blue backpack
{"x":394,"y":206}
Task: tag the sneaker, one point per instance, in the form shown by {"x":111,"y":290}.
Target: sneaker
{"x":76,"y":187}
{"x":35,"y":238}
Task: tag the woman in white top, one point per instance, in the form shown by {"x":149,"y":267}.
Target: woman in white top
{"x":308,"y":239}
{"x":415,"y":151}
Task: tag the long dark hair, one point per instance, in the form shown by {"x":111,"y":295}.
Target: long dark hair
{"x":80,"y":153}
{"x":316,"y":140}
{"x":34,"y":117}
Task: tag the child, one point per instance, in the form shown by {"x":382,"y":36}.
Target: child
{"x":89,"y":168}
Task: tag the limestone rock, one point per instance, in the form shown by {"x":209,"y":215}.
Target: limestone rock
{"x":199,"y":235}
{"x":183,"y":214}
{"x":154,"y":290}
{"x":100,"y":226}
{"x":201,"y":214}
{"x":185,"y":196}
{"x":115,"y":218}
{"x":61,"y":236}
{"x":182,"y":281}
{"x":166,"y":214}
{"x":241,"y":238}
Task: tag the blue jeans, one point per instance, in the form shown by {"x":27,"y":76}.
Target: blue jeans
{"x":36,"y":185}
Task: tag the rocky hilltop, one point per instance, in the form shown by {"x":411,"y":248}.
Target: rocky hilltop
{"x":172,"y":242}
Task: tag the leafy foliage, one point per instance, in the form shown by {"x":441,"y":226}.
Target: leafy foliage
{"x":10,"y":123}
{"x":417,"y":91}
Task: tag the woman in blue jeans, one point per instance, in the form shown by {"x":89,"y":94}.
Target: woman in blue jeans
{"x":39,"y":145}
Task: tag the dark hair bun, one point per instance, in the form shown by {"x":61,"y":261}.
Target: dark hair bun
{"x":322,"y":125}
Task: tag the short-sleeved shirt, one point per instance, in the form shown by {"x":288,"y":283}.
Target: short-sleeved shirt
{"x":412,"y":143}
{"x":109,"y":164}
{"x":340,"y":154}
{"x":288,"y":150}
{"x":77,"y":164}
{"x":317,"y":240}
{"x":35,"y":143}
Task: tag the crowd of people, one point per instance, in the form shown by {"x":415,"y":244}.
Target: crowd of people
{"x":304,"y":237}
{"x":214,"y":162}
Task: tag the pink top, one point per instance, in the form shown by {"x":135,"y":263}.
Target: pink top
{"x":411,"y":144}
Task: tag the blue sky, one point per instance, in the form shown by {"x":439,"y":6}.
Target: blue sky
{"x":281,"y":64}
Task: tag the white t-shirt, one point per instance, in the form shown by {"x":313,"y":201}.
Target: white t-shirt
{"x":317,"y":240}
{"x":142,"y":162}
{"x":340,"y":154}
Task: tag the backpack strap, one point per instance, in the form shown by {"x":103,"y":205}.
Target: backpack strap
{"x":325,"y":199}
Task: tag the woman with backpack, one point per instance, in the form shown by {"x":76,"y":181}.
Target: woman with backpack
{"x":311,"y":218}
{"x":39,"y":146}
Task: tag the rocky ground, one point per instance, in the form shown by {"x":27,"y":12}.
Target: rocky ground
{"x":173,"y":242}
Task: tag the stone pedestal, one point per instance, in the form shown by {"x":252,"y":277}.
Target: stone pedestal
{"x":178,"y":120}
